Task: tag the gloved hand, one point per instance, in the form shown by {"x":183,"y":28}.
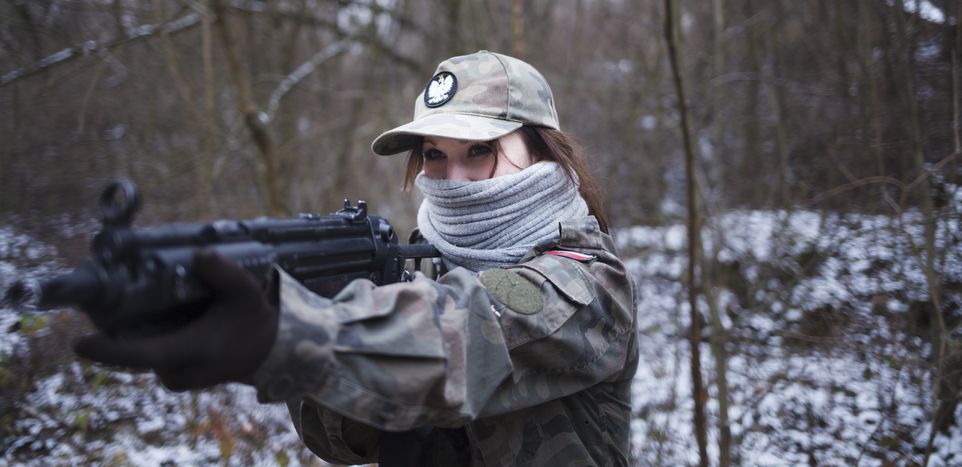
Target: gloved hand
{"x":226,"y":342}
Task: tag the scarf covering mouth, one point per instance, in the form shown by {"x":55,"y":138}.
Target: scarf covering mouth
{"x":491,"y":223}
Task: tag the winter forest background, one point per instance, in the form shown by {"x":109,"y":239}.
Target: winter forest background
{"x":824,"y":142}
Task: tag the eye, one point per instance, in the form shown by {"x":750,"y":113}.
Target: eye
{"x":478,"y":150}
{"x":432,"y":154}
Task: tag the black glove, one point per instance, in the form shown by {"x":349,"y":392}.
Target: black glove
{"x":225,"y":342}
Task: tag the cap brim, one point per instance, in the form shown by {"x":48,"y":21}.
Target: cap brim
{"x":445,"y":125}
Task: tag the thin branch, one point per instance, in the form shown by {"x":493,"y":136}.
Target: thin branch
{"x":82,"y":115}
{"x":857,"y":183}
{"x":88,"y":48}
{"x":957,"y":133}
{"x":255,"y":119}
{"x":924,"y":176}
{"x":303,"y":71}
{"x":179,"y":83}
{"x":147,"y":31}
{"x":291,"y":14}
{"x":905,"y":188}
{"x":401,"y":19}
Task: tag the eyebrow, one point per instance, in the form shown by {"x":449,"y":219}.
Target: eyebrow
{"x":427,"y":139}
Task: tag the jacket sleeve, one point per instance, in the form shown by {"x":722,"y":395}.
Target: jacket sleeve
{"x":446,"y":352}
{"x":333,"y":437}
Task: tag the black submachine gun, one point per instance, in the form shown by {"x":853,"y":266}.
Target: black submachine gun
{"x":138,"y":276}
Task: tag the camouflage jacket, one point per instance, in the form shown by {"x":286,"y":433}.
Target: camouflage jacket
{"x":526,"y":365}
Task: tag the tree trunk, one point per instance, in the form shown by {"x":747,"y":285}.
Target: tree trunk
{"x":926,"y":255}
{"x":257,"y":126}
{"x":719,"y":335}
{"x":699,"y":394}
{"x":205,"y":166}
{"x":517,"y":28}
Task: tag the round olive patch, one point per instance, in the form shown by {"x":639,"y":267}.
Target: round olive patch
{"x":514,"y":291}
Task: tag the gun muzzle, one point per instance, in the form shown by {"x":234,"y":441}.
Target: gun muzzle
{"x":82,"y":285}
{"x":20,"y":294}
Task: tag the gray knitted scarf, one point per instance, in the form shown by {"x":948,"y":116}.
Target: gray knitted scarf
{"x":494,"y":222}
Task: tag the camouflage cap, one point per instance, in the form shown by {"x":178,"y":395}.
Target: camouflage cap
{"x":477,"y":97}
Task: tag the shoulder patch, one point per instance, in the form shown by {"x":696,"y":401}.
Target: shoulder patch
{"x":565,"y":275}
{"x":514,"y":291}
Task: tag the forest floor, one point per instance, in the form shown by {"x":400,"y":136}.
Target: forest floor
{"x":828,"y":357}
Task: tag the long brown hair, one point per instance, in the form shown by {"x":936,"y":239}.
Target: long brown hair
{"x":544,"y":144}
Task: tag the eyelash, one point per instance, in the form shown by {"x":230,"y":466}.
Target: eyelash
{"x":431,"y":154}
{"x":477,"y":150}
{"x":485,"y":150}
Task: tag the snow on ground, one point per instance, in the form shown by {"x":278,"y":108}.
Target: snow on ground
{"x":85,"y":414}
{"x":822,"y":366}
{"x":20,"y":248}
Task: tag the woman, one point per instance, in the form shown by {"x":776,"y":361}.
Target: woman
{"x":521,"y":354}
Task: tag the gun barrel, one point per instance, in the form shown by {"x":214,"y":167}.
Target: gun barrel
{"x":82,"y":285}
{"x":417,"y":251}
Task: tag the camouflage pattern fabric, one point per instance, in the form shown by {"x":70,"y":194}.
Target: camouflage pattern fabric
{"x":495,"y":94}
{"x":547,"y":388}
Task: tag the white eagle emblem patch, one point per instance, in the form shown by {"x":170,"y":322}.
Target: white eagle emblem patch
{"x":440,"y":89}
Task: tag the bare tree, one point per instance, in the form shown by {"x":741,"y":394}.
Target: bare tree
{"x":699,"y":393}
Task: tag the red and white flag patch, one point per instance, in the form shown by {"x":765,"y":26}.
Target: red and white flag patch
{"x":572,"y":255}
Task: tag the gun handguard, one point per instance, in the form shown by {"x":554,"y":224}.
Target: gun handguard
{"x":138,"y":275}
